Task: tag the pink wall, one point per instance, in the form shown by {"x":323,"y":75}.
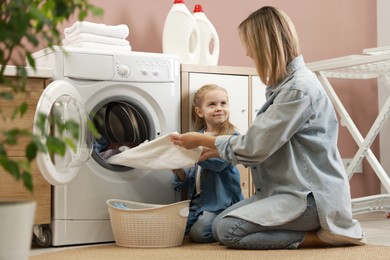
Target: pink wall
{"x":327,"y":29}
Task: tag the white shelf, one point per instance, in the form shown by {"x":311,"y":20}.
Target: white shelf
{"x":366,"y":66}
{"x":11,"y":70}
{"x":372,"y":64}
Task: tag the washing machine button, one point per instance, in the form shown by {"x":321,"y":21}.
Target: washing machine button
{"x":144,"y":72}
{"x":123,"y":71}
{"x":156,"y":72}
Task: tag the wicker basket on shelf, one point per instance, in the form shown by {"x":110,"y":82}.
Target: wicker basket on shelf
{"x":136,"y":224}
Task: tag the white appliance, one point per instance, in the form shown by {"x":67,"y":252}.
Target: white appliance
{"x":131,"y":97}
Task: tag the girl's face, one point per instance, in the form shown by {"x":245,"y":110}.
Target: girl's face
{"x":214,"y":109}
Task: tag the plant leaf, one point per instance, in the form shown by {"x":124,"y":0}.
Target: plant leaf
{"x":31,"y":151}
{"x":27,"y":180}
{"x":71,"y":144}
{"x":39,"y":145}
{"x":73,"y":128}
{"x":7,"y":95}
{"x":10,"y":166}
{"x":55,"y":146}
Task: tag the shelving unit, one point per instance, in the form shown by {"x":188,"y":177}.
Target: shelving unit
{"x":372,"y":64}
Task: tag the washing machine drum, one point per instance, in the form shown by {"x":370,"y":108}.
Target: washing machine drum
{"x":124,"y":124}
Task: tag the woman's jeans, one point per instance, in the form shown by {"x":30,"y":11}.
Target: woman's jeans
{"x":238,"y":233}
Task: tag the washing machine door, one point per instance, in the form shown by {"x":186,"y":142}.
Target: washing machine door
{"x":61,"y":101}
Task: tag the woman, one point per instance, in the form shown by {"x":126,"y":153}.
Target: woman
{"x":302,"y":192}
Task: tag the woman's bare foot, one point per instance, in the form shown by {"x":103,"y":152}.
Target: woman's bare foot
{"x":312,"y":240}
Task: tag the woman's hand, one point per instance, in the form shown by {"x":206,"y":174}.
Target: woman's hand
{"x":192,"y":140}
{"x":188,"y":140}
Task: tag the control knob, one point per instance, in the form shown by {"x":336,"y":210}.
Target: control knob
{"x":123,"y":71}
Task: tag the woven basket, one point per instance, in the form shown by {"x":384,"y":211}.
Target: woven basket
{"x":137,"y":224}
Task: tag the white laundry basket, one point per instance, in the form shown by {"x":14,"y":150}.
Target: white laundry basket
{"x":137,"y":224}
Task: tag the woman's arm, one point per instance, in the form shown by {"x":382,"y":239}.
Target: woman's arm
{"x":192,"y":140}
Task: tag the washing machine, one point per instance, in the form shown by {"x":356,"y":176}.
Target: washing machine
{"x":130,"y":97}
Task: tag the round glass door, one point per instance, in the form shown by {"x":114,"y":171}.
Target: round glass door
{"x":61,"y":102}
{"x":122,"y":124}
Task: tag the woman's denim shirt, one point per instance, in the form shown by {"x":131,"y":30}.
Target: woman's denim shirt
{"x":291,"y":149}
{"x":219,"y":184}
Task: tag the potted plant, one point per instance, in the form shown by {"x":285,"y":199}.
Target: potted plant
{"x":25,"y":24}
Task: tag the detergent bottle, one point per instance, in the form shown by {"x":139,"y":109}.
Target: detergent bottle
{"x":209,"y":40}
{"x":181,"y":34}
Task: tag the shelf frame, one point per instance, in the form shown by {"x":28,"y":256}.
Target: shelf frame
{"x":373,"y":64}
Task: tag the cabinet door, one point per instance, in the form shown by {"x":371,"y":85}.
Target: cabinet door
{"x":258,"y":95}
{"x":237,"y":88}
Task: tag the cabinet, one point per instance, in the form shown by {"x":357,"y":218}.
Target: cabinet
{"x":237,"y":88}
{"x":246,"y":95}
{"x":257,"y":96}
{"x":9,"y":188}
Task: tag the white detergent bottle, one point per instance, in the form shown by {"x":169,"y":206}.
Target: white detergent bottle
{"x":181,"y":34}
{"x":209,"y":40}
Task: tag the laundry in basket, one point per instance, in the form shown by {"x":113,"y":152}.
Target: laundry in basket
{"x":136,"y":224}
{"x":158,"y":154}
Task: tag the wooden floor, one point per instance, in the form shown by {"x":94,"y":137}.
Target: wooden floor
{"x":376,"y":227}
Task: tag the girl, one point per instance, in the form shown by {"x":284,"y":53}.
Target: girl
{"x":302,"y":191}
{"x":213,"y":184}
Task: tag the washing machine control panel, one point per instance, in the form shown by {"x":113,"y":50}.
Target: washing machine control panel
{"x":81,"y":64}
{"x":141,"y":68}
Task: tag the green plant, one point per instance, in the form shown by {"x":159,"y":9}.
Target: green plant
{"x":24,"y":24}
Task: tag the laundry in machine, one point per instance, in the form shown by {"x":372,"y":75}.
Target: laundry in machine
{"x":130,"y":97}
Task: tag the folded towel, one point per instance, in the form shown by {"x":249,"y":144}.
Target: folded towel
{"x":87,"y":37}
{"x":95,"y":45}
{"x":158,"y":154}
{"x":117,"y":31}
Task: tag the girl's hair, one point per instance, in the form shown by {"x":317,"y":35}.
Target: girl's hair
{"x":271,"y":37}
{"x":226,"y":128}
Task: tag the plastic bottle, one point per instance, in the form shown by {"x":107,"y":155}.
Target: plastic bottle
{"x":181,"y":34}
{"x":209,"y":40}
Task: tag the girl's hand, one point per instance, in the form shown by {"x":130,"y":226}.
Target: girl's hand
{"x":179,"y":173}
{"x":208,"y":153}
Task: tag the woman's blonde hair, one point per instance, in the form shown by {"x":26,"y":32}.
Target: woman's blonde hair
{"x":226,"y":128}
{"x":271,"y":37}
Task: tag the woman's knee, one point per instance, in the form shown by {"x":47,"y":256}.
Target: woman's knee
{"x":225,"y":231}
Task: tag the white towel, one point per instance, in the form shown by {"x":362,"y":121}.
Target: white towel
{"x":87,"y":37}
{"x":99,"y":46}
{"x":158,"y":154}
{"x":120,"y":31}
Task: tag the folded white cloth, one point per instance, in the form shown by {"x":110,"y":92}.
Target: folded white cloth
{"x":120,"y":31}
{"x":158,"y":154}
{"x":99,"y":46}
{"x":88,"y":37}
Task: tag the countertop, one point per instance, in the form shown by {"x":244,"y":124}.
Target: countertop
{"x":10,"y":70}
